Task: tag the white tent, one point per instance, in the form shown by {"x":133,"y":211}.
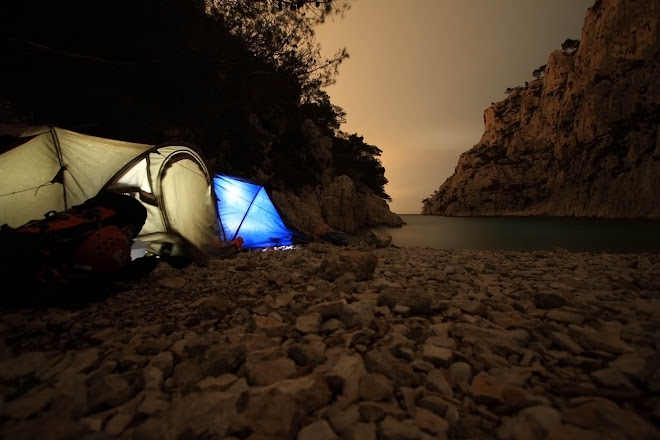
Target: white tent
{"x":55,"y":169}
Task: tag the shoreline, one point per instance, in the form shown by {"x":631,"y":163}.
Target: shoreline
{"x":527,"y":234}
{"x":357,"y":342}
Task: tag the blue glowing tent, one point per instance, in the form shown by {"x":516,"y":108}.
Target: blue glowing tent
{"x":245,"y":211}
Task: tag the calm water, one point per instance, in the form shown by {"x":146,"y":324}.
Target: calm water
{"x":527,"y":234}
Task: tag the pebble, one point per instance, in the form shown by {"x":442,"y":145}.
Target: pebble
{"x":356,"y":342}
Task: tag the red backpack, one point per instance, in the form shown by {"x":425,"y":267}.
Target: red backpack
{"x":92,"y":239}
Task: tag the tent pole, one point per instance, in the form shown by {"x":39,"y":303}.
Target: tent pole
{"x":58,"y":150}
{"x":246,"y":213}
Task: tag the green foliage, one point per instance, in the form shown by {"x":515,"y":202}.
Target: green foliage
{"x":165,"y":66}
{"x":327,"y":116}
{"x":538,"y":73}
{"x":282,"y":32}
{"x":570,"y":46}
{"x":513,"y":90}
{"x":358,"y":160}
{"x":236,"y":78}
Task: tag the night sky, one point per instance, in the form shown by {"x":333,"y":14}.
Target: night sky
{"x":422,"y":72}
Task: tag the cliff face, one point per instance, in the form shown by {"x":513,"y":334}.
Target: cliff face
{"x":583,"y":140}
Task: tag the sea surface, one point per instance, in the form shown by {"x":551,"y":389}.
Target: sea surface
{"x":527,"y":234}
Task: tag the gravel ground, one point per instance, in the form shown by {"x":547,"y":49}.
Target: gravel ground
{"x":355,"y":342}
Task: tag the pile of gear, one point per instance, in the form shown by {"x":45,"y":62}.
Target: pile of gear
{"x":84,"y":245}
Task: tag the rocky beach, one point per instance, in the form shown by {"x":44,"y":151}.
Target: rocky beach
{"x":355,"y":342}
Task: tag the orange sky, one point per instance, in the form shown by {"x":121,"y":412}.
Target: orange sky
{"x":422,"y":72}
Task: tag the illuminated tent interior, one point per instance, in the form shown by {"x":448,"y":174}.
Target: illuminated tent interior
{"x":246,"y":211}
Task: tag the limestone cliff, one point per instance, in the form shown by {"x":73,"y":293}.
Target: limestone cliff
{"x":583,"y":139}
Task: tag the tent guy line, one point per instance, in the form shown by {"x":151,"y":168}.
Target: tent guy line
{"x":28,"y":189}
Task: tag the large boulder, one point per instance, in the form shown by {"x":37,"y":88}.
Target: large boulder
{"x":340,"y":206}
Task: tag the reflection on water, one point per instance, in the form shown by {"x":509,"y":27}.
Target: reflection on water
{"x":527,"y":233}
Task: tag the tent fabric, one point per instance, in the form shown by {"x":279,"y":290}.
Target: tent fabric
{"x":56,"y":169}
{"x":246,"y":211}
